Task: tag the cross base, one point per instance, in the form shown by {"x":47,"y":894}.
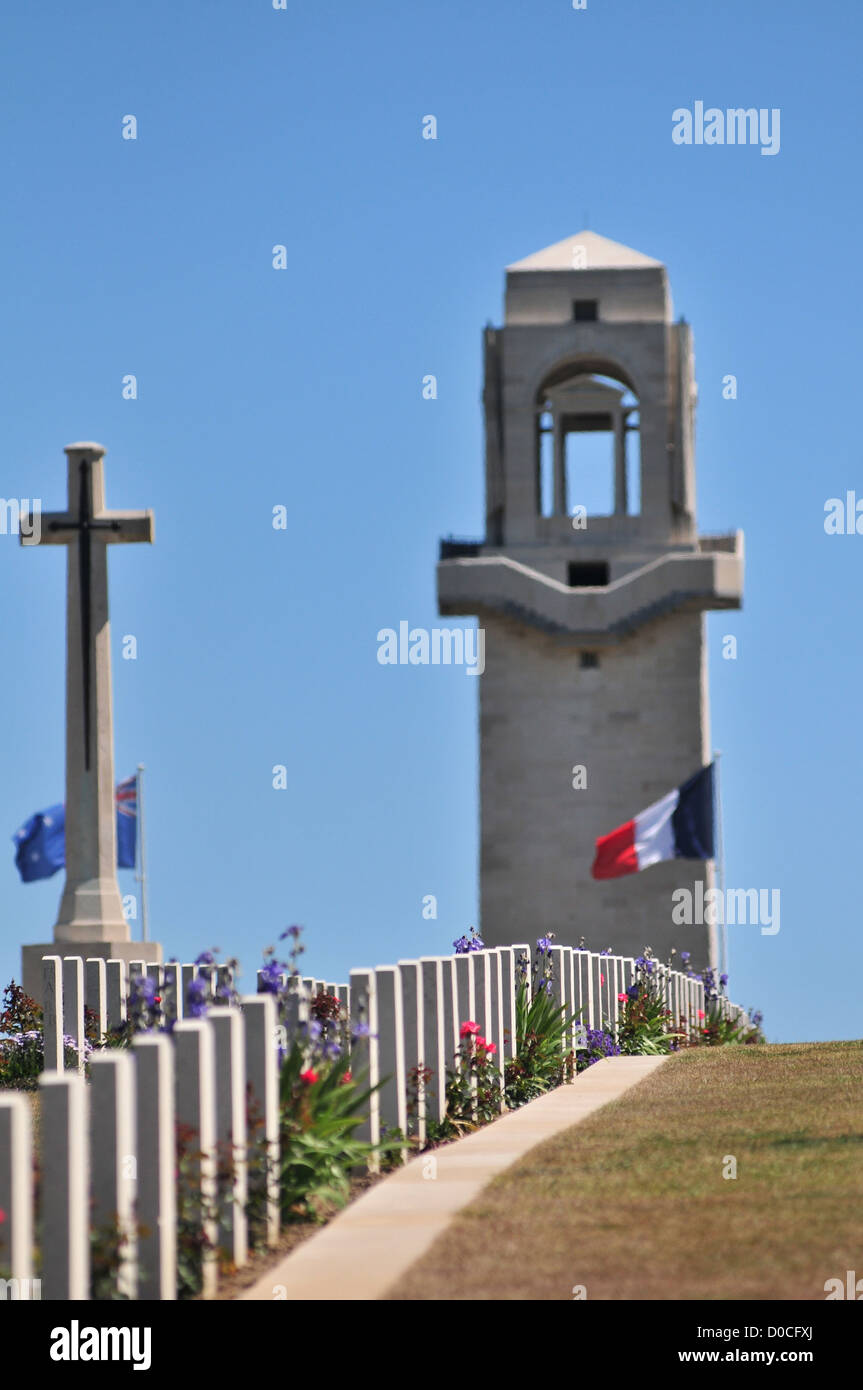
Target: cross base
{"x":91,"y":911}
{"x":31,"y":957}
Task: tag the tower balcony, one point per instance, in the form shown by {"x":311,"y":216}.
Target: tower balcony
{"x":472,"y":580}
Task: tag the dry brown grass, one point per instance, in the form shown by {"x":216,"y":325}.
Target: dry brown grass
{"x":632,"y":1203}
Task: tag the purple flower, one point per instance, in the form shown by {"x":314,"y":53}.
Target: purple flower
{"x":196,"y":997}
{"x":205,"y":958}
{"x":271,"y":978}
{"x":543,"y":945}
{"x":293,"y":932}
{"x":723,"y":980}
{"x":684,"y":956}
{"x":143,"y":990}
{"x":461,"y":946}
{"x":360,"y":1030}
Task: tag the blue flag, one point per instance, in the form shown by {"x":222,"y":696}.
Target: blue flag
{"x":40,"y":844}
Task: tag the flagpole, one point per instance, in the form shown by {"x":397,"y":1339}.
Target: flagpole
{"x":717,"y":754}
{"x":142,"y":875}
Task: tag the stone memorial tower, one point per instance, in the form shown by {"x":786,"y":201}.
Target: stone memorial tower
{"x":591,"y":585}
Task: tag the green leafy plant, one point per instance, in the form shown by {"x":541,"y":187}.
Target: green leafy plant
{"x":473,"y":1085}
{"x":321,"y":1106}
{"x":645,"y":1023}
{"x":543,"y":1059}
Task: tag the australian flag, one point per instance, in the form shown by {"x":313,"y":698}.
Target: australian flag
{"x":40,"y":844}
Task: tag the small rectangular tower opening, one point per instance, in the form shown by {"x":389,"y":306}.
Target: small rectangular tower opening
{"x":589,"y":462}
{"x":585,"y":310}
{"x":587,"y":574}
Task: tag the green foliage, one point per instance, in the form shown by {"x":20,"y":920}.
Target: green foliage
{"x":321,"y":1106}
{"x":473,"y":1086}
{"x":717,"y":1031}
{"x":643,"y":1025}
{"x":20,"y":1013}
{"x":542,"y":1058}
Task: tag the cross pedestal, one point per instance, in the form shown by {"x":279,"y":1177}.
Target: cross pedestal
{"x":90,"y":919}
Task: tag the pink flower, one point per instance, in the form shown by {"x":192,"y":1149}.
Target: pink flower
{"x":467,"y":1029}
{"x":2,"y":1216}
{"x":621,"y":998}
{"x":602,"y":979}
{"x":309,"y":1076}
{"x":700,"y":1013}
{"x":490,"y":1047}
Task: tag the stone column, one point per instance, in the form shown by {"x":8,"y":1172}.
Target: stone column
{"x":560,"y":498}
{"x":620,"y":498}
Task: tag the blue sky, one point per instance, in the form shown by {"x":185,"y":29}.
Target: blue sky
{"x":303,"y":388}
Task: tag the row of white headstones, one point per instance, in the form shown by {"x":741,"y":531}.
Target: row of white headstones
{"x":108,"y":1144}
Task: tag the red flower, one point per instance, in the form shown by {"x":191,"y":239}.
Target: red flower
{"x":2,"y":1216}
{"x":700,"y":1013}
{"x":621,"y":998}
{"x":309,"y":1076}
{"x":467,"y":1029}
{"x":346,"y":1078}
{"x":602,"y":979}
{"x":490,"y":1047}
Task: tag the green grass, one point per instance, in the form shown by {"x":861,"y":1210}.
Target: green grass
{"x":632,"y":1203}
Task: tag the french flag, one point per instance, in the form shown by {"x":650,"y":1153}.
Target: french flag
{"x":679,"y":826}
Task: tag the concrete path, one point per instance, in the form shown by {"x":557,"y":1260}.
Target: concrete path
{"x":366,"y":1249}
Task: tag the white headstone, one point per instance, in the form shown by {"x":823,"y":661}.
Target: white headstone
{"x":118,"y":989}
{"x":412,"y":1002}
{"x":260,"y":1021}
{"x":172,"y":991}
{"x":227,"y":1024}
{"x":65,"y":1187}
{"x":507,"y":1000}
{"x":364,"y":1051}
{"x":195,"y":1097}
{"x":73,"y":1006}
{"x":16,"y":1187}
{"x":434,"y":1035}
{"x":96,"y":993}
{"x":156,"y":1143}
{"x":391,"y":1057}
{"x":52,"y":1012}
{"x":113,"y":1157}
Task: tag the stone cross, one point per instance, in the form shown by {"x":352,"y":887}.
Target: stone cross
{"x":91,"y":908}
